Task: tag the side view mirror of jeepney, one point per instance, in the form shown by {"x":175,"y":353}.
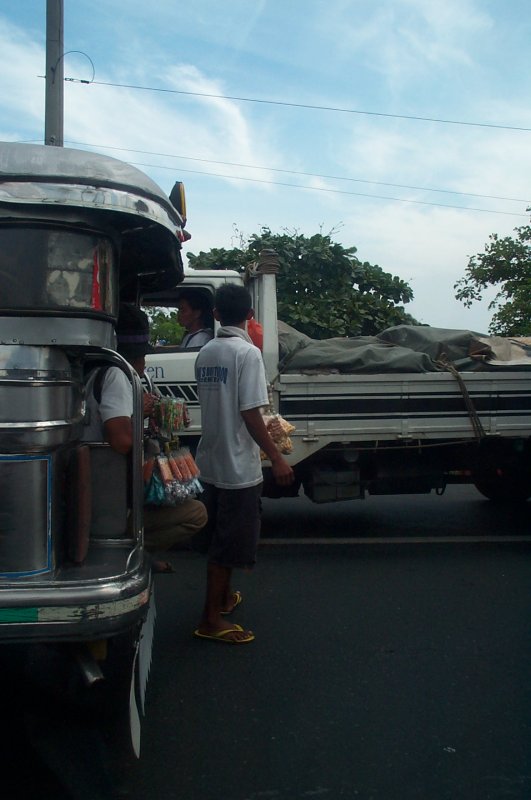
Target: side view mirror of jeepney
{"x":178,"y":200}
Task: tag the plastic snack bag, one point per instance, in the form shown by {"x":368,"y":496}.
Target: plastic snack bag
{"x":279,"y":430}
{"x":169,"y":416}
{"x":170,"y":479}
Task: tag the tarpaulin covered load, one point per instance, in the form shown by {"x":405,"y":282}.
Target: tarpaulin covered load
{"x":403,"y":349}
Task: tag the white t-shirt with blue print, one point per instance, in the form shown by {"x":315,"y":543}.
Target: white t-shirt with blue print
{"x":230,"y":378}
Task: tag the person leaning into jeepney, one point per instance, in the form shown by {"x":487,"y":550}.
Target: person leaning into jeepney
{"x":110,"y":421}
{"x":232,"y":391}
{"x":195,"y":315}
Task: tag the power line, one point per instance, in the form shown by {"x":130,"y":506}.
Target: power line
{"x":305,"y":174}
{"x":301,"y":105}
{"x":331,"y":191}
{"x":313,"y":188}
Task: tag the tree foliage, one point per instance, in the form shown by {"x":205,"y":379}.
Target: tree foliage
{"x":163,"y":326}
{"x":506,"y":264}
{"x":220,"y":258}
{"x":323,"y":289}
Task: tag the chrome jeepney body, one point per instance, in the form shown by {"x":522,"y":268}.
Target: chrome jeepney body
{"x":79,"y":232}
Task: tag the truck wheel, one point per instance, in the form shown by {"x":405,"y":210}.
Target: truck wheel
{"x":504,"y":485}
{"x":502,"y":470}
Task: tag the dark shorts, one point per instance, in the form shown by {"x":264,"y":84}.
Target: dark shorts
{"x":233,"y":527}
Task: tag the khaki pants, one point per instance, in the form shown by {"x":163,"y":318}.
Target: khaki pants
{"x":167,"y":526}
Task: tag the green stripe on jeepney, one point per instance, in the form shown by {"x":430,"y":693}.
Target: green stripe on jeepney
{"x":19,"y":614}
{"x":83,"y":613}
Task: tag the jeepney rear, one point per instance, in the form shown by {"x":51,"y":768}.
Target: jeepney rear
{"x":79,"y":233}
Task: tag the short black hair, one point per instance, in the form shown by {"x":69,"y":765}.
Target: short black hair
{"x":233,"y":303}
{"x":198,"y":300}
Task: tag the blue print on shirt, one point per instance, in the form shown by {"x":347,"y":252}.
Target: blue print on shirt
{"x":212,"y":374}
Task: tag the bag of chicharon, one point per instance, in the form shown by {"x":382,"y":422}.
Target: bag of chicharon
{"x":171,"y":478}
{"x":279,"y":430}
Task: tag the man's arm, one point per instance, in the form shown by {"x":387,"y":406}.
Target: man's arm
{"x":116,"y":407}
{"x":118,"y":431}
{"x":255,"y":424}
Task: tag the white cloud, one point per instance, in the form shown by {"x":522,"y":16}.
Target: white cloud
{"x":428,"y":248}
{"x":21,"y":62}
{"x":398,"y":36}
{"x":207,"y":127}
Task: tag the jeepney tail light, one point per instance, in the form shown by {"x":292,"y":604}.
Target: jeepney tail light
{"x":96,"y":290}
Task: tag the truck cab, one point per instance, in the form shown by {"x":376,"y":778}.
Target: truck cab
{"x":170,"y":368}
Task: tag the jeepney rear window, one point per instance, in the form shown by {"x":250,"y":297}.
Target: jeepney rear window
{"x":53,"y":268}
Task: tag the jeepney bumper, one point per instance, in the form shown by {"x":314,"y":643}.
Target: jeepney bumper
{"x":73,"y":605}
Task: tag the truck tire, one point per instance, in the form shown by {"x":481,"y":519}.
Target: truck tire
{"x":502,"y":470}
{"x":500,"y":489}
{"x":506,"y":483}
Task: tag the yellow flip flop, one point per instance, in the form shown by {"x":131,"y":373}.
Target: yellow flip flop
{"x":237,"y":599}
{"x":220,"y":635}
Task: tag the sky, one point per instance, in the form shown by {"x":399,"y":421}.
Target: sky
{"x":401,"y":126}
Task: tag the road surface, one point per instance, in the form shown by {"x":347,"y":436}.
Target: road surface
{"x":390,"y":664}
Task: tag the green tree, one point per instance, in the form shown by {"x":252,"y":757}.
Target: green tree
{"x":506,"y":264}
{"x":163,"y":326}
{"x":219,"y":258}
{"x":323,"y":289}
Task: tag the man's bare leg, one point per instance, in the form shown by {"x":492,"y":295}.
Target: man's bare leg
{"x":218,"y":589}
{"x":229,"y":599}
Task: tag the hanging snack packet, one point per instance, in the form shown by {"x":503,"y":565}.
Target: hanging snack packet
{"x":147,"y":469}
{"x":183,"y":465}
{"x":169,"y":416}
{"x":176,"y":472}
{"x":190,"y":461}
{"x":279,"y":430}
{"x":164,"y":468}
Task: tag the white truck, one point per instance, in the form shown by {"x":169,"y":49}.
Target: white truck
{"x":409,"y":411}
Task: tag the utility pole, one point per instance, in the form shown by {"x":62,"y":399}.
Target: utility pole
{"x":54,"y":102}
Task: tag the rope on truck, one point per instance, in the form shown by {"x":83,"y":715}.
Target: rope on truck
{"x":444,"y":363}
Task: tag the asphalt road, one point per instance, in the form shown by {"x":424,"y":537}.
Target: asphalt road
{"x":391,"y":664}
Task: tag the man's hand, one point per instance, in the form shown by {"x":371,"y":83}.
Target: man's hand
{"x":149,"y":403}
{"x":254,"y":422}
{"x":282,"y":472}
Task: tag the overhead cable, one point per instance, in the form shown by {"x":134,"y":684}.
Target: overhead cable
{"x":330,"y":191}
{"x":309,"y":106}
{"x":304,"y":174}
